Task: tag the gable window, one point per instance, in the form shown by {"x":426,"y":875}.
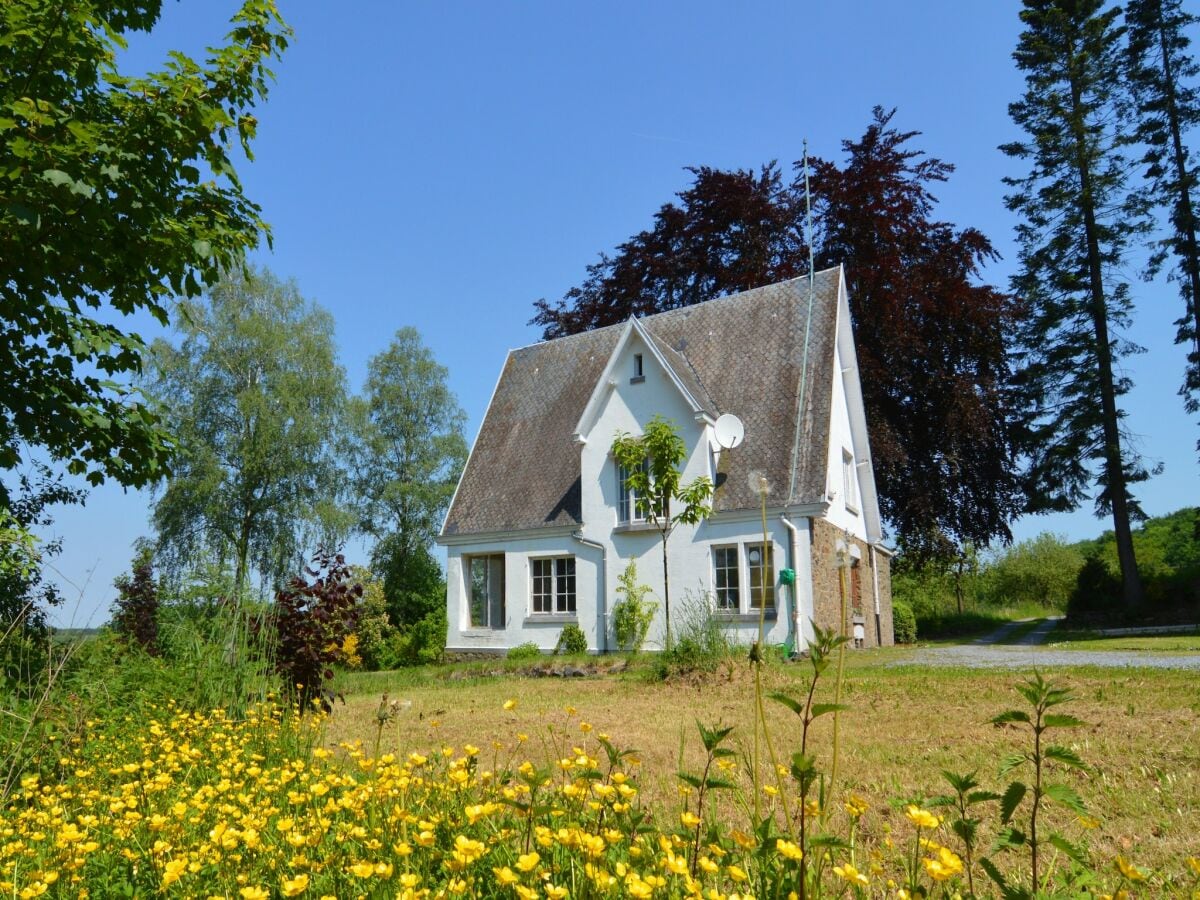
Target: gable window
{"x":627,"y":509}
{"x":639,"y":374}
{"x":726,"y":581}
{"x":553,"y":585}
{"x":849,"y":481}
{"x":761,"y":569}
{"x":485,"y":576}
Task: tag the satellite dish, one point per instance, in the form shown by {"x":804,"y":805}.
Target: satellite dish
{"x":729,"y":431}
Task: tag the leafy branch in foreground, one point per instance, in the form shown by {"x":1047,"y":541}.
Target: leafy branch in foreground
{"x":1042,"y":696}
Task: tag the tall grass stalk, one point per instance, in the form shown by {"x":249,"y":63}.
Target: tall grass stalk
{"x":841,"y":664}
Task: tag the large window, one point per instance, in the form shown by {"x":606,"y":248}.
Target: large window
{"x":743,"y":577}
{"x":553,"y":584}
{"x":726,"y":582}
{"x":485,"y":576}
{"x":761,"y":568}
{"x":627,"y":510}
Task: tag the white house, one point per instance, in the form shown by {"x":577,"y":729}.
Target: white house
{"x":541,"y":524}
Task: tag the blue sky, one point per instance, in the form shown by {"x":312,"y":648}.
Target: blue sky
{"x":445,"y":165}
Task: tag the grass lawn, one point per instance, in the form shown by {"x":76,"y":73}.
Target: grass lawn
{"x":1089,"y":640}
{"x":907,"y":724}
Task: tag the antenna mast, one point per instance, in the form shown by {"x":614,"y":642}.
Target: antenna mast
{"x":808,"y":237}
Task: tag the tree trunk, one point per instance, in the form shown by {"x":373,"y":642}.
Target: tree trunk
{"x":666,"y":593}
{"x":1114,"y":469}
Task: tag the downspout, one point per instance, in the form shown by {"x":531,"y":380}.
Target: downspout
{"x":602,"y":596}
{"x":875,"y":591}
{"x":802,"y":566}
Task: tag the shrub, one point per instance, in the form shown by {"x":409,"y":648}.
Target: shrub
{"x":420,"y":644}
{"x":525,"y":651}
{"x":904,"y":623}
{"x":633,"y":613}
{"x":374,"y":629}
{"x":1042,"y":571}
{"x":135,"y":611}
{"x":571,"y":641}
{"x":312,"y":620}
{"x":701,"y":643}
{"x":1097,"y":593}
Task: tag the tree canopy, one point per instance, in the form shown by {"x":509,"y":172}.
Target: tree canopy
{"x":932,"y":340}
{"x":256,"y":399}
{"x":115,"y":193}
{"x":406,"y":454}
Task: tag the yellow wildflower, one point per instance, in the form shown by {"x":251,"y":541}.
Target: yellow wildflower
{"x":789,"y":849}
{"x":922,"y":818}
{"x":848,"y":873}
{"x":292,"y":887}
{"x":1129,"y":870}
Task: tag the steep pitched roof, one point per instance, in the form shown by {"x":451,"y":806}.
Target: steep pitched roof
{"x":740,"y":354}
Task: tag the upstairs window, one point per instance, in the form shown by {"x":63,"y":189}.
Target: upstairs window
{"x":553,"y":585}
{"x":639,"y":373}
{"x":849,"y":481}
{"x":627,"y":509}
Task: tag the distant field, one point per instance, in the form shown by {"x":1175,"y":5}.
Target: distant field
{"x":907,"y":724}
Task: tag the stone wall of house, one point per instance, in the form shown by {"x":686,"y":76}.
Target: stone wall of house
{"x":859,"y":586}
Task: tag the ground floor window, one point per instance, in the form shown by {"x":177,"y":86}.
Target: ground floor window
{"x":751,"y":564}
{"x":726,"y":583}
{"x":553,"y":584}
{"x":485,"y":576}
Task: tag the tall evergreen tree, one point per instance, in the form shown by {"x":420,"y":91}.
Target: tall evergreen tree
{"x":1079,"y":220}
{"x":1160,"y":69}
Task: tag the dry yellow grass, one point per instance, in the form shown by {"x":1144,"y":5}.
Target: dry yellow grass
{"x":907,"y":725}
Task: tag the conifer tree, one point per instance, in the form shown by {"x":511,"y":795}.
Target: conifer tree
{"x":1079,"y":220}
{"x":1162,"y":74}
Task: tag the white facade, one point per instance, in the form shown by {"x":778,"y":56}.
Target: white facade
{"x":549,"y":577}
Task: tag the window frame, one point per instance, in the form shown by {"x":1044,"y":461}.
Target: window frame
{"x":748,"y":592}
{"x":627,"y":508}
{"x":849,"y":481}
{"x":721,"y":591}
{"x":495,"y":563}
{"x":561,"y":600}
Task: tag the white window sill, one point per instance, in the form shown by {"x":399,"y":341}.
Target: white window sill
{"x":634,"y":527}
{"x":551,"y":619}
{"x":729,"y":617}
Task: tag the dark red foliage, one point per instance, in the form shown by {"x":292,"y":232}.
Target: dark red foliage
{"x":932,"y":341}
{"x":312,"y":618}
{"x":135,"y":612}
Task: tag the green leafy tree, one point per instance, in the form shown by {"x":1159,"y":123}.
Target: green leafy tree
{"x":1078,"y":222}
{"x":256,"y":399}
{"x":116,"y":193}
{"x":406,"y":454}
{"x":652,"y":462}
{"x":1160,"y":68}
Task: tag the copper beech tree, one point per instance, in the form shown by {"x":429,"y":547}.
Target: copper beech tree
{"x":932,"y":345}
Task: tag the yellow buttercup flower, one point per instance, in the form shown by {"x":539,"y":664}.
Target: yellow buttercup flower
{"x":510,"y":704}
{"x":788,"y":849}
{"x":945,"y":866}
{"x":1129,"y":870}
{"x":254,"y":893}
{"x":922,"y":818}
{"x":848,"y":873}
{"x":527,"y":862}
{"x":292,"y":887}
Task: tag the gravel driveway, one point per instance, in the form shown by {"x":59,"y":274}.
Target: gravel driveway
{"x":1026,"y":653}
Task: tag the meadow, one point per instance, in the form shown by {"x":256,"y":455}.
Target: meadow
{"x":479,"y":780}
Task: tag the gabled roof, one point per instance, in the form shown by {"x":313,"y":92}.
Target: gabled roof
{"x":740,"y":354}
